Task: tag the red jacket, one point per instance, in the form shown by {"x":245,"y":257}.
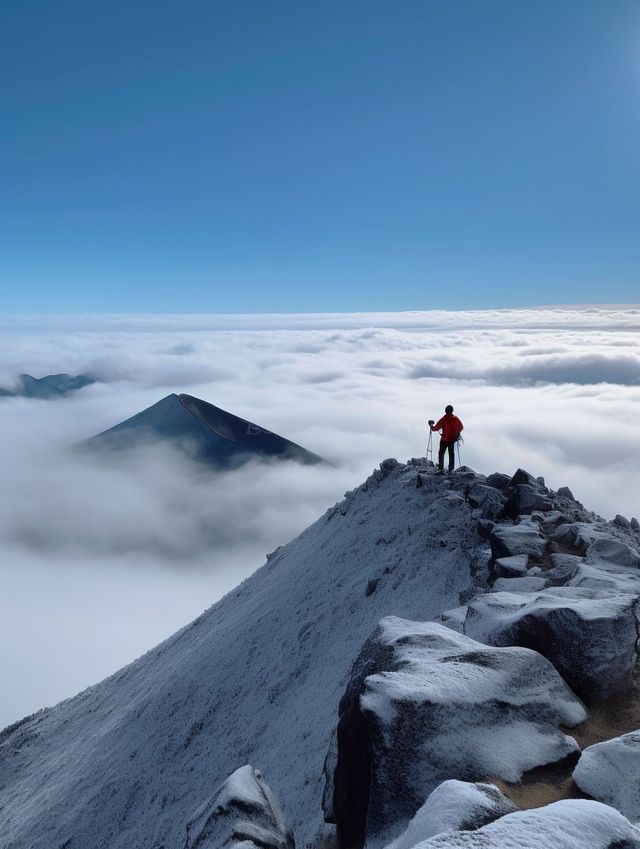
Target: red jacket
{"x":451,"y":427}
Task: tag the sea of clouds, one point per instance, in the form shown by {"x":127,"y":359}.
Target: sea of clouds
{"x":99,"y":561}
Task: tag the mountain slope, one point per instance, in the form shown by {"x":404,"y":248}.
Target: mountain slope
{"x":45,"y":388}
{"x":256,"y":678}
{"x":209,"y":434}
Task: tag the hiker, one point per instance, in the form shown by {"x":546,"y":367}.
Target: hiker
{"x":451,"y":428}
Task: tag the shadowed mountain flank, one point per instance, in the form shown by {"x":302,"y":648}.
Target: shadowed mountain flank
{"x":207,"y":433}
{"x":45,"y":388}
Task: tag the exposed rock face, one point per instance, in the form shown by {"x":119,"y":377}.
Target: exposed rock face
{"x":242,"y":814}
{"x":524,"y":499}
{"x":487,"y":499}
{"x":569,"y":824}
{"x":523,"y":538}
{"x":455,"y":806}
{"x":425,"y":704}
{"x":589,"y":636}
{"x":610,"y":772}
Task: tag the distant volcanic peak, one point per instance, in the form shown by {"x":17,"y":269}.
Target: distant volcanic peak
{"x":247,"y":435}
{"x":207,"y":433}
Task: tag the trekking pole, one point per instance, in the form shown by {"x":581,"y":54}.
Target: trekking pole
{"x":458,"y":450}
{"x":429,"y":454}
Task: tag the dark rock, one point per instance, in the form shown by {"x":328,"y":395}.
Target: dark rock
{"x":634,"y":523}
{"x":389,"y":465}
{"x":414,"y":688}
{"x":487,"y":499}
{"x":498,"y":481}
{"x":621,"y":522}
{"x":565,"y":492}
{"x":523,"y":499}
{"x":485,"y":526}
{"x":372,"y":586}
{"x":523,"y":477}
{"x":512,"y":567}
{"x":524,"y":538}
{"x":243,"y":813}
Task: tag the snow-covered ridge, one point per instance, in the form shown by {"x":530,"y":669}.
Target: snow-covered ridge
{"x":257,"y":679}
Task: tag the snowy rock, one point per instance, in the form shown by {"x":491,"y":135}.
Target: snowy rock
{"x":589,"y":636}
{"x":498,"y":480}
{"x":565,"y":492}
{"x":568,"y":824}
{"x":634,"y":523}
{"x":576,"y":536}
{"x":523,"y":477}
{"x":523,"y":538}
{"x":455,"y":806}
{"x":489,"y":500}
{"x":610,"y":772}
{"x":425,"y":704}
{"x":606,"y":577}
{"x":454,"y":618}
{"x":529,"y":584}
{"x":242,"y":814}
{"x":512,"y":567}
{"x":621,"y":521}
{"x":611,"y":550}
{"x":524,"y":499}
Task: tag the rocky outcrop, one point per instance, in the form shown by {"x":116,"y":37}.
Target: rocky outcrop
{"x":589,"y":636}
{"x":425,"y":704}
{"x":569,"y":824}
{"x":610,"y":773}
{"x":524,"y":538}
{"x":455,"y":806}
{"x":243,"y":813}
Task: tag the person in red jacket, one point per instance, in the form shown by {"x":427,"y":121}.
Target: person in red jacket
{"x":451,"y":428}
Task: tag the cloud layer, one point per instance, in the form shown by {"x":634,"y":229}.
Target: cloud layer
{"x":102,"y":561}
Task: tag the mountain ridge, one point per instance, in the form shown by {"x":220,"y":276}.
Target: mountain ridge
{"x":257,"y":678}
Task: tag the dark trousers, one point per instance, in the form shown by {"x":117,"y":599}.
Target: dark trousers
{"x":446,"y":446}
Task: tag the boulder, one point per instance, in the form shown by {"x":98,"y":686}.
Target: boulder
{"x":606,"y":577}
{"x":565,"y":492}
{"x":568,"y":824}
{"x":523,"y":477}
{"x":524,"y":499}
{"x":425,"y":704}
{"x":455,"y":806}
{"x":589,"y":636}
{"x":621,"y":521}
{"x":523,"y":538}
{"x":610,"y":773}
{"x":454,"y":618}
{"x":609,"y":549}
{"x":487,"y":499}
{"x":512,"y":567}
{"x":529,"y":584}
{"x":576,"y":536}
{"x":242,"y":814}
{"x":498,"y":480}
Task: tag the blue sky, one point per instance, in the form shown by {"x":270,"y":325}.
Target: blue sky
{"x":300,"y":156}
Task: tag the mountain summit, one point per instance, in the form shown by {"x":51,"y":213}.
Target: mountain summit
{"x":207,"y":433}
{"x":429,"y":657}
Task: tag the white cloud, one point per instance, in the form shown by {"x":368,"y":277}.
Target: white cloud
{"x":99,"y":562}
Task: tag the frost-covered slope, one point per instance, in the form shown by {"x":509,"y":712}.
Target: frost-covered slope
{"x":257,"y":678}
